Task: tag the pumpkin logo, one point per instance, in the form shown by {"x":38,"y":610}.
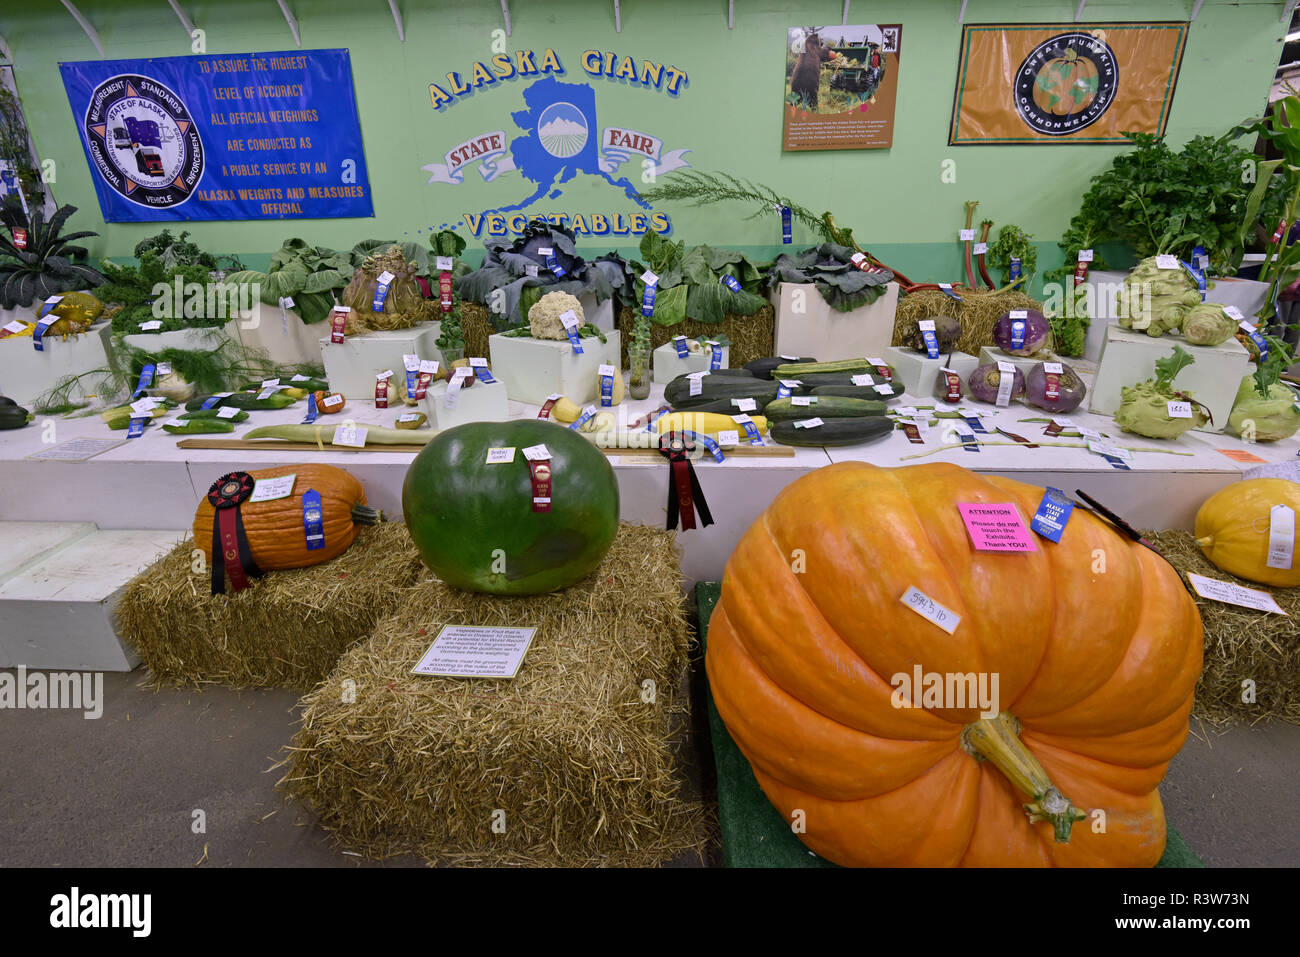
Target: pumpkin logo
{"x":1066,"y":83}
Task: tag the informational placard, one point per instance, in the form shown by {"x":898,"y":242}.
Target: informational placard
{"x":841,"y":86}
{"x":996,"y":527}
{"x":1069,"y":83}
{"x":475,"y":651}
{"x":269,"y":489}
{"x":77,"y":450}
{"x":223,"y":136}
{"x":1234,"y":594}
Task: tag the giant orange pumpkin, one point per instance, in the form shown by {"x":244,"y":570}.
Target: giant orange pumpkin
{"x":1096,"y":644}
{"x":275,"y":528}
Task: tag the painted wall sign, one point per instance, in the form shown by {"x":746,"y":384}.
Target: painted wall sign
{"x":1052,"y":83}
{"x":555,"y":137}
{"x":254,"y":136}
{"x":841,"y":86}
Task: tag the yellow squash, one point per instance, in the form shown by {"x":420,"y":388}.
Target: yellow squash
{"x":706,"y":423}
{"x":1232,"y":528}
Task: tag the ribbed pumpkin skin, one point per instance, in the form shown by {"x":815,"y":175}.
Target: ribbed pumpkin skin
{"x":275,"y":530}
{"x":1236,"y":518}
{"x":1099,"y":669}
{"x":460,"y":510}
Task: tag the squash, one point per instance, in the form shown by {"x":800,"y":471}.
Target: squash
{"x":474,"y":523}
{"x":707,"y":423}
{"x":329,"y":402}
{"x":677,"y":393}
{"x":823,"y":407}
{"x":275,"y":530}
{"x":566,"y":410}
{"x":1232,"y":529}
{"x":811,"y":645}
{"x":762,"y":368}
{"x":854,"y":430}
{"x":618,"y":390}
{"x":13,"y":416}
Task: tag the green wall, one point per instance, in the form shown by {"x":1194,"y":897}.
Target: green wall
{"x":727,"y":115}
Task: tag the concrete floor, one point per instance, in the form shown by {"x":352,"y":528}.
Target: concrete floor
{"x":122,"y":790}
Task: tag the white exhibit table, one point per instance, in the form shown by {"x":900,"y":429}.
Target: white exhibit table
{"x":151,"y":483}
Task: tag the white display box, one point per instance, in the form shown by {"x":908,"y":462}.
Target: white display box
{"x":918,"y":372}
{"x":479,"y":403}
{"x":26,"y":373}
{"x":284,"y":338}
{"x":533,"y":369}
{"x":1103,"y":289}
{"x":1023,"y":363}
{"x":351,"y":365}
{"x":668,"y":365}
{"x":1130,"y":357}
{"x":58,"y":609}
{"x":205,"y":339}
{"x":601,"y":316}
{"x":807,"y":326}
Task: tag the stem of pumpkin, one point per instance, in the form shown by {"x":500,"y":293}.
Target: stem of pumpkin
{"x":995,"y":740}
{"x":366,"y":515}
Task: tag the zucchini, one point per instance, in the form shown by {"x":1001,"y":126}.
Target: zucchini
{"x":239,"y":416}
{"x":762,"y":368}
{"x":705,"y":423}
{"x":199,"y":426}
{"x":824,"y":407}
{"x":119,"y":417}
{"x":322,"y":434}
{"x":244,"y":400}
{"x":833,"y":432}
{"x":14,"y":416}
{"x":796,"y":370}
{"x":725,"y":406}
{"x":677,"y":393}
{"x":856,"y":392}
{"x":744,"y":373}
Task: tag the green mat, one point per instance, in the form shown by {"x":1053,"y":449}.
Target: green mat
{"x":753,"y":832}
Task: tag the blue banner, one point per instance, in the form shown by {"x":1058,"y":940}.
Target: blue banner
{"x":243,"y":136}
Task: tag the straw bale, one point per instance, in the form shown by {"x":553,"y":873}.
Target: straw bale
{"x":977,"y":312}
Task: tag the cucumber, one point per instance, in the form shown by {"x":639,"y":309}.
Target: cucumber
{"x":199,"y":427}
{"x":678,"y":392}
{"x":856,"y":392}
{"x":824,"y":407}
{"x":239,"y":416}
{"x":762,"y":368}
{"x":833,"y":432}
{"x":724,"y":406}
{"x":244,"y":400}
{"x":796,"y":370}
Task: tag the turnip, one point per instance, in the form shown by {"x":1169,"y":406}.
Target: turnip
{"x":1069,"y":388}
{"x":985,"y":381}
{"x":1031,"y":339}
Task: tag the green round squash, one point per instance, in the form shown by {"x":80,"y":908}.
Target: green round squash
{"x":459,"y":510}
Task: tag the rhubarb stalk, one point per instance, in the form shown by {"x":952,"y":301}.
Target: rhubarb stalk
{"x":968,"y":243}
{"x":985,"y":227}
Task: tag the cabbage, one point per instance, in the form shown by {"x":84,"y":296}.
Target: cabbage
{"x":1206,"y":324}
{"x":1260,"y":419}
{"x":984,"y":382}
{"x":1036,"y":332}
{"x":1071,"y":389}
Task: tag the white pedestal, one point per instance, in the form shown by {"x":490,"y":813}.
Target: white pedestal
{"x":205,"y":339}
{"x":351,"y":365}
{"x":601,"y":316}
{"x":478,"y":403}
{"x":532,"y":369}
{"x":918,"y":372}
{"x":1130,"y":357}
{"x":1246,"y":294}
{"x":807,"y":326}
{"x":1023,"y":363}
{"x":26,"y":373}
{"x":668,"y":365}
{"x":286,"y":340}
{"x":58,"y":606}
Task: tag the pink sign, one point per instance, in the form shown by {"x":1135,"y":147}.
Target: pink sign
{"x":996,"y":527}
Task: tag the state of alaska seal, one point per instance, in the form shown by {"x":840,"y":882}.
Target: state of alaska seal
{"x":143,"y":141}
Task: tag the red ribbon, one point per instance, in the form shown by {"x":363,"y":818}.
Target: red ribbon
{"x":231,"y":553}
{"x":684,"y":492}
{"x":1053,"y":388}
{"x":1081,"y":272}
{"x":444,"y":290}
{"x":545,"y":411}
{"x":954,"y":387}
{"x":540,"y":472}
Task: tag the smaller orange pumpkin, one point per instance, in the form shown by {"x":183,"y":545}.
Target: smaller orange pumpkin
{"x":276,"y":535}
{"x":327,"y":402}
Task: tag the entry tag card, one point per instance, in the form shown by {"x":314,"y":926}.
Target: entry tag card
{"x":1180,"y":410}
{"x":1281,"y":536}
{"x":1167,"y":262}
{"x":996,"y":527}
{"x":728,"y":437}
{"x":931,"y":340}
{"x":1117,"y":457}
{"x":153,"y":325}
{"x":570,"y":320}
{"x":1234,"y":594}
{"x":696,"y":380}
{"x":269,"y":489}
{"x":931,"y":610}
{"x":946,"y":289}
{"x":476,"y":651}
{"x":500,"y":456}
{"x":350,"y":435}
{"x":1053,"y":514}
{"x":787,"y":386}
{"x":230,"y":412}
{"x":967,"y":438}
{"x":1006,"y":382}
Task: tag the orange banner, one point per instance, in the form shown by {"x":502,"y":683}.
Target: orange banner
{"x":1064,"y":83}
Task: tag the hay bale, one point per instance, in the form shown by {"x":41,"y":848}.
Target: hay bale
{"x":476,"y":325}
{"x":1241,"y":644}
{"x":286,"y":631}
{"x":751,"y":336}
{"x":579,"y":763}
{"x":977,"y":312}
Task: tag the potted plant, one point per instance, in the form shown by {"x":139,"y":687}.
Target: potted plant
{"x":451,"y":338}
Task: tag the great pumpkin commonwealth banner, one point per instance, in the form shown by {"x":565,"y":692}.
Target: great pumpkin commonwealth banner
{"x":1030,"y":83}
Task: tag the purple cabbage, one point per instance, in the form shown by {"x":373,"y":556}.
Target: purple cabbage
{"x":1036,"y":332}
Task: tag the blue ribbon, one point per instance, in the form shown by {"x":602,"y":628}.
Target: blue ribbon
{"x":1015,"y":268}
{"x":730,"y":282}
{"x":931,"y":343}
{"x":1198,"y":276}
{"x":679,"y":343}
{"x":554,"y":266}
{"x":381,"y":293}
{"x":146,"y":380}
{"x":606,"y":391}
{"x":975,"y":424}
{"x":212,"y":402}
{"x":787,"y":226}
{"x":136,"y":429}
{"x":573,"y":338}
{"x":310,"y":417}
{"x":1052,"y":515}
{"x":783,"y":391}
{"x":751,"y":430}
{"x":708,"y":443}
{"x":1017,"y":333}
{"x":313,"y":520}
{"x":716,"y":361}
{"x":582,"y":420}
{"x":483,"y":374}
{"x":39,"y":331}
{"x":648,"y":300}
